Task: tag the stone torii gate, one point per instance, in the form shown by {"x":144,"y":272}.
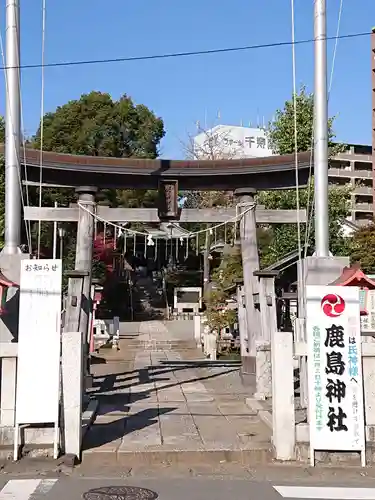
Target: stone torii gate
{"x":244,"y":177}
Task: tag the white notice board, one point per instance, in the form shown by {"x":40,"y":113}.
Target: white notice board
{"x":38,"y":367}
{"x":335,"y":369}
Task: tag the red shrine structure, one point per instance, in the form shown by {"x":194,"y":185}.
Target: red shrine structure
{"x":354,"y":276}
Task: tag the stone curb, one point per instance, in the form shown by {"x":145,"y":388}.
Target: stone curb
{"x":264,"y":415}
{"x":261,"y":455}
{"x":89,"y":415}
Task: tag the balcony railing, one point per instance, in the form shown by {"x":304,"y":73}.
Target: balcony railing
{"x":342,"y":172}
{"x":366,"y":190}
{"x":363,"y":207}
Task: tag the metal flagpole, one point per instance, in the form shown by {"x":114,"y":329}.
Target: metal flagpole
{"x":54,"y":250}
{"x":12,"y":130}
{"x":321,"y":130}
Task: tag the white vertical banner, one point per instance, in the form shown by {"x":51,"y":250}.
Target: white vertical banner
{"x":335,"y":369}
{"x":38,"y":365}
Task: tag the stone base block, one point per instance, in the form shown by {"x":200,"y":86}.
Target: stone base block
{"x":30,"y":435}
{"x":334,"y":458}
{"x":264,"y":415}
{"x":37,"y":440}
{"x":247,"y":372}
{"x":248,"y":365}
{"x":303,"y":433}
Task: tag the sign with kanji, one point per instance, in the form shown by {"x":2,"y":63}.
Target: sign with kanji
{"x":38,"y":363}
{"x":334,"y":368}
{"x":368,"y":320}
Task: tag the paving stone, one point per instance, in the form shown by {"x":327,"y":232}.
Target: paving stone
{"x":143,"y":396}
{"x":198,"y":398}
{"x":235,"y":408}
{"x":171,"y":396}
{"x":175,"y":408}
{"x":205,"y":408}
{"x":155,"y":407}
{"x":217,"y":433}
{"x":109,"y":417}
{"x":113,"y":409}
{"x":194,"y":387}
{"x":179,"y":430}
{"x":105,"y":435}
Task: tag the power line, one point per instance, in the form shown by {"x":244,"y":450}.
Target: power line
{"x":182,"y":54}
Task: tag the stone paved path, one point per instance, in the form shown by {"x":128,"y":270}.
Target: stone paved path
{"x":154,"y":400}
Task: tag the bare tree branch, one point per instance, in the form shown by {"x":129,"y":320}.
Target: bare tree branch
{"x":210,"y":144}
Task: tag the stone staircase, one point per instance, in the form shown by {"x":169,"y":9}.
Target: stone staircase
{"x":149,"y":300}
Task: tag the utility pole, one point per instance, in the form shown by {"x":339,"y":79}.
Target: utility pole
{"x":321,"y":130}
{"x":12,"y":130}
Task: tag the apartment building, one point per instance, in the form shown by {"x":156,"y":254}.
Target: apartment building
{"x":354,"y":168}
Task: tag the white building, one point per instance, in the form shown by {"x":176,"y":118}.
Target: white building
{"x":226,"y":141}
{"x":352,"y":167}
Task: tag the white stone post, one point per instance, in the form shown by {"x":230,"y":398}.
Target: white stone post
{"x":242,"y":323}
{"x":7,"y":390}
{"x":72,"y":381}
{"x":8,"y":361}
{"x":212,"y":346}
{"x":263,"y":371}
{"x":197,"y":330}
{"x":283,"y":417}
{"x":10,"y":265}
{"x":116,"y":333}
{"x":206,"y":331}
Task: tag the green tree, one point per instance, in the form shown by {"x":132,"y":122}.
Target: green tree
{"x":96,"y":125}
{"x":2,"y":129}
{"x":281,"y":130}
{"x":99,"y":126}
{"x":284,"y":237}
{"x":363,"y":248}
{"x":223,"y":280}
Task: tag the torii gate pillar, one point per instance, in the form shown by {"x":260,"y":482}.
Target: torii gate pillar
{"x":250,"y":264}
{"x":85,"y":240}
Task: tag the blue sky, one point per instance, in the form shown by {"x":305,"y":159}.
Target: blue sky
{"x":241,"y":85}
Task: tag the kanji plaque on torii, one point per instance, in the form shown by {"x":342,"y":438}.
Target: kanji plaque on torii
{"x":168,"y":199}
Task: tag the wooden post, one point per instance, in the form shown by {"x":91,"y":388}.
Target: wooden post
{"x":242,"y":323}
{"x":74,"y":301}
{"x":250,"y":263}
{"x":267,"y":303}
{"x":74,"y":311}
{"x":85,"y":238}
{"x":268,"y":316}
